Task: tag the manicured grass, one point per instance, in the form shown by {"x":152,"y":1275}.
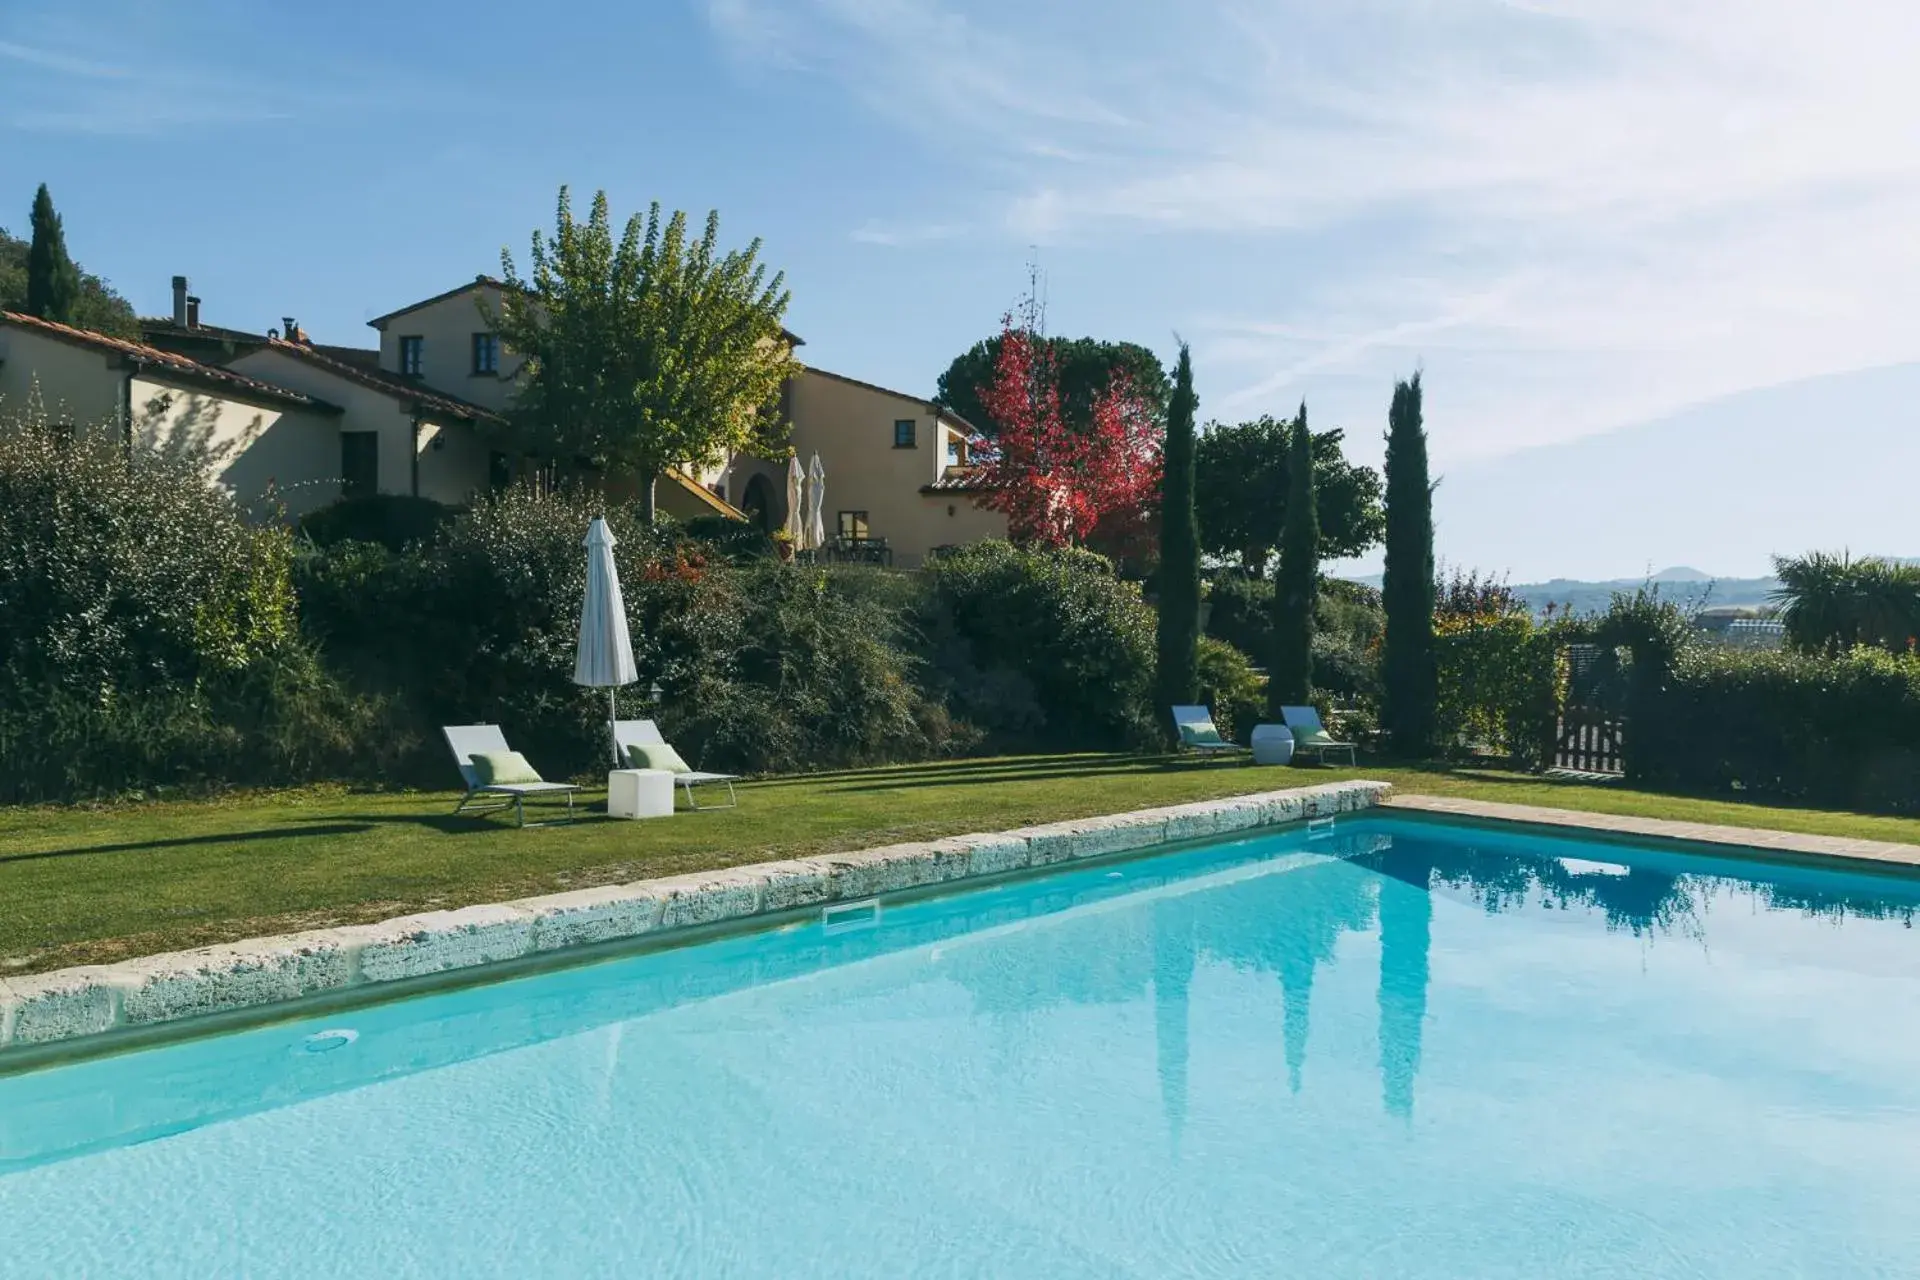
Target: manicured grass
{"x":83,"y":885}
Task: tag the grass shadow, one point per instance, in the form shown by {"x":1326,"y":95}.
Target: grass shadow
{"x":322,"y":827}
{"x":1092,"y":765}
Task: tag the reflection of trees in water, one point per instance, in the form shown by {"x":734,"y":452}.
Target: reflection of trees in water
{"x":1174,"y":958}
{"x":1288,"y":926}
{"x":1642,"y":901}
{"x":1406,"y":936}
{"x":1836,"y":906}
{"x":1290,"y":923}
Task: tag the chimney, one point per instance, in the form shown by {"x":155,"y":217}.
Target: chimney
{"x":180,"y":301}
{"x":193,"y":313}
{"x":289,"y":329}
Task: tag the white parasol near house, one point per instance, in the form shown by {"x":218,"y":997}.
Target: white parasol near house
{"x":605,"y":657}
{"x":816,"y":503}
{"x":797,"y":503}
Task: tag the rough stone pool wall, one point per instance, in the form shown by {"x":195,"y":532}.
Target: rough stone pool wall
{"x":94,"y":1000}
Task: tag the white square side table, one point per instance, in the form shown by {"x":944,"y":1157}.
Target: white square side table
{"x":639,"y":793}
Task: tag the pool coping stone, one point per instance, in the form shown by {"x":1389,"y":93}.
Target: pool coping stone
{"x":95,"y":1002}
{"x":1757,"y":839}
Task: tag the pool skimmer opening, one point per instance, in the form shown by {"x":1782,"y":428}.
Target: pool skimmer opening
{"x":850,"y":917}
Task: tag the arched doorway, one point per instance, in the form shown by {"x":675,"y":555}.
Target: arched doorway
{"x":757,"y":502}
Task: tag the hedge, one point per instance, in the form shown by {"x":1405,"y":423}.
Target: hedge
{"x":1840,"y":732}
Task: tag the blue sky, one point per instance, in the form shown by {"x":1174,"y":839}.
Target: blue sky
{"x":1576,"y":216}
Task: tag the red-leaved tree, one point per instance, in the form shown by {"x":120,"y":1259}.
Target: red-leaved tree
{"x":1055,"y":485}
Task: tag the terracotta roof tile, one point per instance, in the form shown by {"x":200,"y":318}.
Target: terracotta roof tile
{"x":396,"y":385}
{"x":161,"y":329}
{"x":481,"y":281}
{"x":166,"y":362}
{"x":957,"y":480}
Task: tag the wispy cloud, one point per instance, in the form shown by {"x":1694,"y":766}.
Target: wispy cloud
{"x":63,"y":64}
{"x":1587,"y":211}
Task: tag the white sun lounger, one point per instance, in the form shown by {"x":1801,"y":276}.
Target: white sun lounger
{"x":1308,"y":735}
{"x":634,"y":733}
{"x":469,"y":740}
{"x":1191,"y":718}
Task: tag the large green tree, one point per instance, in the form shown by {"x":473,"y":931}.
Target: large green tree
{"x":1290,"y":674}
{"x":1085,"y":367}
{"x":1242,"y":478}
{"x":1408,"y":670}
{"x":657,"y":350}
{"x":1179,"y":582}
{"x":95,"y":305}
{"x":53,"y":282}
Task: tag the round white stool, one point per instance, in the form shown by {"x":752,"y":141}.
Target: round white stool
{"x":1272,"y":744}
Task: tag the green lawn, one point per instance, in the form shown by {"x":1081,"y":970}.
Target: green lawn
{"x":83,"y":885}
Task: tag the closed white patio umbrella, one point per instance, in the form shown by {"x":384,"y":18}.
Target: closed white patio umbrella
{"x":816,"y":502}
{"x":797,"y":503}
{"x":605,"y":657}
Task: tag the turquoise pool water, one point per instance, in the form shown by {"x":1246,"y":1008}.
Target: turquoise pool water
{"x":1404,"y":1049}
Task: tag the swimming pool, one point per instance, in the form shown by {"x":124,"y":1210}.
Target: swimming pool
{"x":1405,"y":1048}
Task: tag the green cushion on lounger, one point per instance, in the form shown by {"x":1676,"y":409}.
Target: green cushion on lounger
{"x":1315,"y":738}
{"x":656,"y":755}
{"x":502,"y":769}
{"x":1202,"y":734}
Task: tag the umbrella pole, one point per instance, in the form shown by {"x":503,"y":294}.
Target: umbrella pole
{"x":613,"y":734}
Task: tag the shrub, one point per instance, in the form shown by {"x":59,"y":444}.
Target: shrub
{"x":1241,"y":612}
{"x":728,"y":539}
{"x":482,"y":623}
{"x":1841,"y":731}
{"x":814,"y":678}
{"x":1348,"y":627}
{"x":1045,"y":645}
{"x":1498,"y":683}
{"x":147,"y":632}
{"x":1832,"y":603}
{"x":1230,"y":685}
{"x":392,"y":520}
{"x":762,"y":666}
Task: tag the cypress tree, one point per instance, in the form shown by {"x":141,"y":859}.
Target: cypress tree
{"x":1290,"y":674}
{"x":1179,"y":626}
{"x":1407,"y":660}
{"x":53,"y":282}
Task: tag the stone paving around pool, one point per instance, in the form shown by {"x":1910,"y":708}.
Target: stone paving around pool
{"x":95,"y":1000}
{"x":1748,"y":838}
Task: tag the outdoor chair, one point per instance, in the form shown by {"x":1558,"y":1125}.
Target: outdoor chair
{"x":1309,"y":735}
{"x":1195,"y":726}
{"x":640,"y":742}
{"x":491,"y":769}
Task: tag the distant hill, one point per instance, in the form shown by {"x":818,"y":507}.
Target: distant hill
{"x":1689,"y":588}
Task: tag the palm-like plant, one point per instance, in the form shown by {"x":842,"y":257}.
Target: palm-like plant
{"x":1831,"y":603}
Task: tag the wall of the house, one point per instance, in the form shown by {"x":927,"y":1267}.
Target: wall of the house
{"x":67,"y":383}
{"x":446,"y":328}
{"x":248,"y":448}
{"x":247,"y":445}
{"x":852,"y":429}
{"x":453,"y":459}
{"x":955,"y":520}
